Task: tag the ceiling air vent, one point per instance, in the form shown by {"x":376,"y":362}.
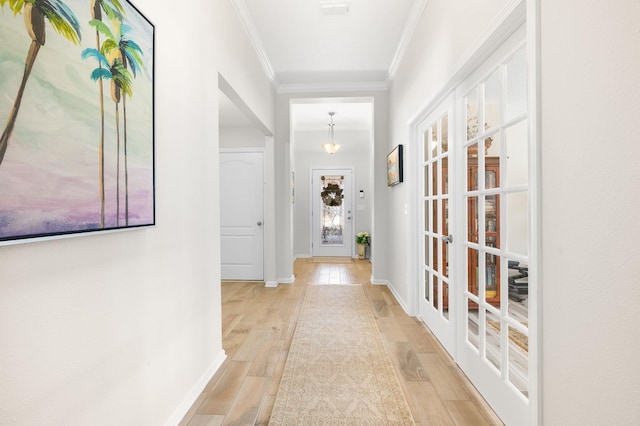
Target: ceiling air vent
{"x":334,"y":7}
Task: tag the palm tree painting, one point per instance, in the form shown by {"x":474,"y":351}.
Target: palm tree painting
{"x":67,"y":148}
{"x":124,"y":57}
{"x":112,"y":8}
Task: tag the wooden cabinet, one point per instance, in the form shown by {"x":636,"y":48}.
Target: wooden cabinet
{"x":491,"y":224}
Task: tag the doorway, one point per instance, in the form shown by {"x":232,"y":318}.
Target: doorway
{"x":332,"y":212}
{"x":354,"y":131}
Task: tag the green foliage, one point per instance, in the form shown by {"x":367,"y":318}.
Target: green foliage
{"x":59,"y":15}
{"x":362,"y":238}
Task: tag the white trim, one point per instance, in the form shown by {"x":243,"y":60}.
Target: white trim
{"x":258,"y":150}
{"x":289,"y":280}
{"x":254,"y":37}
{"x":535,"y":174}
{"x":409,"y":29}
{"x":332,"y":87}
{"x":380,"y":282}
{"x":196,"y":391}
{"x":271,"y":284}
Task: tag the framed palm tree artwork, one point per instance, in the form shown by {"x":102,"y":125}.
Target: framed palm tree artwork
{"x":77,"y":118}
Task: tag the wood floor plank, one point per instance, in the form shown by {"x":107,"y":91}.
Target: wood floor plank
{"x":448,"y":385}
{"x":223,"y":393}
{"x":244,"y":410}
{"x":465,"y":413}
{"x":391,"y":330}
{"x":266,"y":361}
{"x":250,"y":348}
{"x":406,"y":360}
{"x":266,"y":407}
{"x":206,"y":420}
{"x":426,"y":406}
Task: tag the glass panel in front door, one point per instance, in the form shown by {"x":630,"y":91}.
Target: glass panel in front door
{"x":332,"y":211}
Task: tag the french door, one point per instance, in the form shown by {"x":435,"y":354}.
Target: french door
{"x":476,"y":168}
{"x":494,"y":322}
{"x":331,"y":212}
{"x":436,"y":305}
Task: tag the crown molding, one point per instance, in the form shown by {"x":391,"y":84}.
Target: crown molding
{"x":370,"y":86}
{"x":252,"y":32}
{"x":410,"y":27}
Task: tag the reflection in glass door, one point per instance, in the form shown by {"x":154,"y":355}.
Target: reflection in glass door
{"x":435,"y":303}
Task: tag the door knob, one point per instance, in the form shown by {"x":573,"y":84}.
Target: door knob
{"x":447,"y":238}
{"x":259,"y":223}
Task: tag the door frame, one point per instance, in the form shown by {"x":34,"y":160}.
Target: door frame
{"x":351,"y":201}
{"x":260,"y":151}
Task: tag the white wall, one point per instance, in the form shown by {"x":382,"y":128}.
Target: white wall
{"x":125,"y":328}
{"x":445,"y":33}
{"x":590,"y":60}
{"x":241,"y":137}
{"x":314,"y":157}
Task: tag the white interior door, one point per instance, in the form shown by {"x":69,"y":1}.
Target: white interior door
{"x":241,"y":215}
{"x":437,"y":293}
{"x":331,"y":212}
{"x":494,"y":319}
{"x":475,"y":174}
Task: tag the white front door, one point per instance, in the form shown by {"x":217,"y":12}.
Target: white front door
{"x":437,"y":292}
{"x":241,"y":215}
{"x":331,"y":212}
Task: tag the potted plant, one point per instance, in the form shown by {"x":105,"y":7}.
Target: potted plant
{"x":362,"y":239}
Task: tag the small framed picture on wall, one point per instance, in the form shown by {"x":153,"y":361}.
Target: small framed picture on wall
{"x":394,"y":166}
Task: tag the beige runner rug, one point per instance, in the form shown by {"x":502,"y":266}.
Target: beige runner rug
{"x":337,"y":371}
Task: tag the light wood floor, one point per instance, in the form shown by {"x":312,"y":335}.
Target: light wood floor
{"x":257,"y":328}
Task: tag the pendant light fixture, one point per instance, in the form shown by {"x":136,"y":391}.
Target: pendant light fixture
{"x":331,"y":147}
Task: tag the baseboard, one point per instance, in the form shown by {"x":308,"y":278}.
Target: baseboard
{"x":271,"y":284}
{"x":380,"y":282}
{"x":302,"y":256}
{"x":192,"y":396}
{"x":289,"y":280}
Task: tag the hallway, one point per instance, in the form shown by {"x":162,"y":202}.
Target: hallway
{"x":257,"y":327}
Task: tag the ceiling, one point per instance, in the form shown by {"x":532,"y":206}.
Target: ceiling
{"x":302,"y":47}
